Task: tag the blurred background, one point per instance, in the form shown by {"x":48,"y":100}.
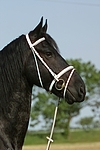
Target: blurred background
{"x":75,"y":26}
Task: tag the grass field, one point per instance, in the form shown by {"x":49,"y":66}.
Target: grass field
{"x":82,"y":146}
{"x":78,"y":136}
{"x":78,"y":140}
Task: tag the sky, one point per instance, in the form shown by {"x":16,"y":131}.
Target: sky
{"x":74,"y":24}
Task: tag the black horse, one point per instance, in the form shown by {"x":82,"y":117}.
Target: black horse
{"x":31,"y":60}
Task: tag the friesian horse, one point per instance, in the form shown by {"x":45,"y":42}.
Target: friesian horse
{"x":29,"y":60}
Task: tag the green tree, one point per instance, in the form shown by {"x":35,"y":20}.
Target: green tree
{"x":91,"y":77}
{"x":86,"y":123}
{"x":44,"y":107}
{"x":45,"y":103}
{"x":65,"y":114}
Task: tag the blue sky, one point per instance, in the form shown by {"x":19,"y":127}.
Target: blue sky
{"x":74,"y":24}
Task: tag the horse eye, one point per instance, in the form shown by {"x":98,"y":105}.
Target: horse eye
{"x":48,"y":54}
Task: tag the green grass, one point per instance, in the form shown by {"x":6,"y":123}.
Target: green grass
{"x":78,"y":136}
{"x":83,"y":136}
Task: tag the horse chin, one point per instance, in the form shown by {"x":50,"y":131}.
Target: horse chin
{"x":70,"y":99}
{"x":70,"y":102}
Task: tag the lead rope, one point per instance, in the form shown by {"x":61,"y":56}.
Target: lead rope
{"x":53,"y":125}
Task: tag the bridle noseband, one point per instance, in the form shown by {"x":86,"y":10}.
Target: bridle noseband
{"x":56,"y":77}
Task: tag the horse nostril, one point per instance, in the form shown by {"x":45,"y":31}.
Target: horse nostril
{"x":82,"y":91}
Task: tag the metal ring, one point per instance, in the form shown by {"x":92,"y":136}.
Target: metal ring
{"x":62,"y":84}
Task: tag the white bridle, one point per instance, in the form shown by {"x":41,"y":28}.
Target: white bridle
{"x":56,"y":76}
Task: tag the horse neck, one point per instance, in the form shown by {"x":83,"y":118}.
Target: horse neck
{"x":15,"y":94}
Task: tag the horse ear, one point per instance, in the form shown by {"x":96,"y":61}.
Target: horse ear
{"x":44,"y":29}
{"x":38,"y":27}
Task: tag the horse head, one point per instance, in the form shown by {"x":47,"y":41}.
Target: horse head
{"x":46,"y":68}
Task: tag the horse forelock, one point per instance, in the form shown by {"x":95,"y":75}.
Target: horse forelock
{"x":52,"y":42}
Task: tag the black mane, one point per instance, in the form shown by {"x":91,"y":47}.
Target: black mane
{"x":11,"y":60}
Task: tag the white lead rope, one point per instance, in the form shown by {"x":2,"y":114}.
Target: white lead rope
{"x":53,"y":125}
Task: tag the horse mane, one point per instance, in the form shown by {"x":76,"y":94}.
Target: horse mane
{"x":10,"y":62}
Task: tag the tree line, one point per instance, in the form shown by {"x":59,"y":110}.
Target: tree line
{"x":44,"y":103}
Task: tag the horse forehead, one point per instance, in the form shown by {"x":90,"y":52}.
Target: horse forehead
{"x":52,"y":42}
